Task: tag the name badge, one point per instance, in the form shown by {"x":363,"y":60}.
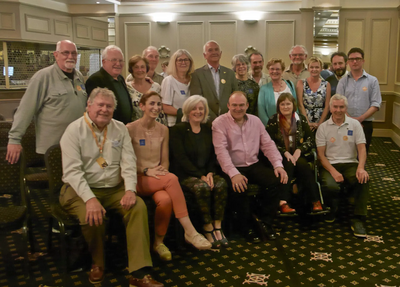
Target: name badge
{"x":250,"y":91}
{"x":142,"y":142}
{"x":349,"y":132}
{"x":183,"y":92}
{"x":79,"y":88}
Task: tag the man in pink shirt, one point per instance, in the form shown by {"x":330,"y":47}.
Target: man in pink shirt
{"x":238,"y":137}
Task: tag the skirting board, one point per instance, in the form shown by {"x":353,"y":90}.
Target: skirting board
{"x":387,"y":133}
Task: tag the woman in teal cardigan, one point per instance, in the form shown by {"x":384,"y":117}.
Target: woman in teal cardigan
{"x":270,"y":92}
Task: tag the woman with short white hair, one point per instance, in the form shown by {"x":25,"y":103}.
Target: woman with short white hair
{"x":193,"y":160}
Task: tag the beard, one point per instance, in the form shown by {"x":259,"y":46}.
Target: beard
{"x":70,"y":65}
{"x":340,"y":72}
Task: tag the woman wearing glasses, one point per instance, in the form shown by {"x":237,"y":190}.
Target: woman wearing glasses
{"x":175,"y":87}
{"x":270,"y":92}
{"x":138,"y":67}
{"x":241,"y":65}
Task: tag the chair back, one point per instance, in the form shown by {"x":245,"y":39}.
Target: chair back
{"x":53,"y":162}
{"x":28,"y":142}
{"x":11,"y":177}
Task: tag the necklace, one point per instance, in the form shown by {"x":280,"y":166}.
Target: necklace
{"x":280,"y":87}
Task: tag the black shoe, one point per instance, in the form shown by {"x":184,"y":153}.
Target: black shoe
{"x":269,"y":231}
{"x":252,"y":237}
{"x":358,"y":228}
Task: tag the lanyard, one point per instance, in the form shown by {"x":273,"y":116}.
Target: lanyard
{"x":94,"y":135}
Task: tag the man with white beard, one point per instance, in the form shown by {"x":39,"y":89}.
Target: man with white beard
{"x":54,"y":98}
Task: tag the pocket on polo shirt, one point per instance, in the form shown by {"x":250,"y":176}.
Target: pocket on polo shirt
{"x":116,"y":151}
{"x":57,"y":98}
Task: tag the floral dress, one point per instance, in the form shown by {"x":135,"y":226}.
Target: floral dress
{"x":314,"y":102}
{"x":136,"y":96}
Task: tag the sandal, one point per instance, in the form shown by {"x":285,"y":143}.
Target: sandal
{"x":223,"y":241}
{"x":215,"y":243}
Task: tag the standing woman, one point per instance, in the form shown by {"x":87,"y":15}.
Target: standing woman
{"x":271,"y":91}
{"x":150,"y":142}
{"x":193,"y":160}
{"x":175,"y":87}
{"x":314,"y":94}
{"x":138,"y":67}
{"x":241,"y":65}
{"x":294,"y":139}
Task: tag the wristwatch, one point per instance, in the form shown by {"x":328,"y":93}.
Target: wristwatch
{"x":145,"y":171}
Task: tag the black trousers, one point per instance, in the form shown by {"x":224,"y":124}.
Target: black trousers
{"x":368,"y":129}
{"x":265,"y":204}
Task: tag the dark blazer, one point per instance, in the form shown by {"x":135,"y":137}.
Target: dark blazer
{"x":103,"y":79}
{"x":183,"y":155}
{"x":202,"y":83}
{"x":305,"y":139}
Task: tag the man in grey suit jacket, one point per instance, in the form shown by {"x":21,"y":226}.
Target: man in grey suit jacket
{"x":213,"y":81}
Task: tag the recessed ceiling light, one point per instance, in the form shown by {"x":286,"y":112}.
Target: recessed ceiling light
{"x":97,"y":2}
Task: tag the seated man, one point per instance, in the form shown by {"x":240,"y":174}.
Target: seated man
{"x":238,"y":138}
{"x":339,"y":141}
{"x":96,"y":153}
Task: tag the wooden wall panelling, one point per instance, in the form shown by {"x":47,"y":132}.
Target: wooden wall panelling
{"x":354,"y":31}
{"x":137,"y":37}
{"x":191,"y":38}
{"x":279,"y":37}
{"x":225,"y":33}
{"x":380,"y":43}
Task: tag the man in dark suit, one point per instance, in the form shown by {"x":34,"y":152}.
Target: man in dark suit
{"x":109,"y":76}
{"x":213,"y":81}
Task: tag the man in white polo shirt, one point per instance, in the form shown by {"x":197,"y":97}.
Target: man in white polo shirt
{"x":340,"y":140}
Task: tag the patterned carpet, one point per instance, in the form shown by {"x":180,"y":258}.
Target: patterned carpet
{"x":308,"y":252}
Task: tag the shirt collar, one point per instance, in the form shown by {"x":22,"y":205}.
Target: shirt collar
{"x":233,"y":120}
{"x":291,"y":65}
{"x":346,"y":121}
{"x":364,"y":74}
{"x":212,"y":68}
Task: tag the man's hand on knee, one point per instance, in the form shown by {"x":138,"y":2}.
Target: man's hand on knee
{"x":128,"y":200}
{"x":239,"y":183}
{"x":280,"y":172}
{"x":337,"y":176}
{"x":362,"y":175}
{"x":94,"y":212}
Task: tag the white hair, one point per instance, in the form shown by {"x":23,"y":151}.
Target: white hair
{"x":298,"y":46}
{"x":109,"y":48}
{"x":149,"y":48}
{"x":338,"y":97}
{"x":58,"y":46}
{"x":211,"y":41}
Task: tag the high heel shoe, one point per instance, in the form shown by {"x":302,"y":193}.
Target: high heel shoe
{"x":215,"y":243}
{"x":223,"y":241}
{"x":198,"y":241}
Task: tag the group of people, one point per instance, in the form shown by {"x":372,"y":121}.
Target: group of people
{"x":212,"y":130}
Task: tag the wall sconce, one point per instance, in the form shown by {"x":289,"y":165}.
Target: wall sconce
{"x":250,"y":17}
{"x":250,"y":21}
{"x":162,"y":18}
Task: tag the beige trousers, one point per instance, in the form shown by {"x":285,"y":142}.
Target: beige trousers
{"x":135,"y":220}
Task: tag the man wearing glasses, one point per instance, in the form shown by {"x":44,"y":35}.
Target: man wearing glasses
{"x":54,"y":98}
{"x":297,"y":69}
{"x":109,"y":76}
{"x":362,"y":92}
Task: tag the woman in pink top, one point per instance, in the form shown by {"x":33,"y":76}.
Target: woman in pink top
{"x":150,"y":142}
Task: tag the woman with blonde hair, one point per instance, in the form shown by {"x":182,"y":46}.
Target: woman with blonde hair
{"x":314,"y":94}
{"x":175,"y":87}
{"x":193,"y":160}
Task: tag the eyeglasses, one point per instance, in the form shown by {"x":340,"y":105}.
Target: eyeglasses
{"x":297,"y":55}
{"x":355,"y":59}
{"x":181,"y":61}
{"x":115,"y":61}
{"x":67,"y":53}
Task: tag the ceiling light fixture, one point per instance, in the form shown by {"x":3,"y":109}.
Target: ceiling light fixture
{"x":114,"y":2}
